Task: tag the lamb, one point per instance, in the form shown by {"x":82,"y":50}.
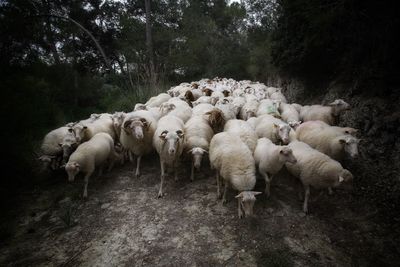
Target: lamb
{"x":328,"y":140}
{"x":202,"y":109}
{"x":272,"y":128}
{"x":315,"y":169}
{"x":89,"y":155}
{"x":168,"y":141}
{"x":290,"y":115}
{"x":327,"y":114}
{"x":249,"y":109}
{"x":270,"y":159}
{"x":137,"y":134}
{"x":268,"y":106}
{"x":118,"y":119}
{"x":233,"y":160}
{"x":245,"y":132}
{"x":198,"y":136}
{"x":85,"y":131}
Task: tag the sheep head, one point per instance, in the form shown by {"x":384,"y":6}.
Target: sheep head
{"x":207,"y":92}
{"x":68,"y":145}
{"x":286,"y":155}
{"x":172,"y":139}
{"x":282,"y":132}
{"x":216,"y":120}
{"x":72,"y":169}
{"x":197,"y":153}
{"x":338,"y":106}
{"x":136,"y":126}
{"x":165,"y":108}
{"x":294,"y":124}
{"x":140,"y":106}
{"x":79,"y":131}
{"x":189,"y":96}
{"x":246,"y":200}
{"x":350,"y":145}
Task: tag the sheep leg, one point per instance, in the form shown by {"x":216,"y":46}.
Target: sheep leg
{"x":86,"y":182}
{"x":218,"y":184}
{"x":100,"y":171}
{"x":330,"y":191}
{"x":138,"y":166}
{"x":224,"y":196}
{"x":160,"y":192}
{"x":306,"y":196}
{"x":300,"y":192}
{"x":267,"y":184}
{"x":192,"y":172}
{"x":240,"y":212}
{"x":175,"y":171}
{"x":130,"y":156}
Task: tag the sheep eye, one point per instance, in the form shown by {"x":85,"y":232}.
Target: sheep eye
{"x":179,"y":132}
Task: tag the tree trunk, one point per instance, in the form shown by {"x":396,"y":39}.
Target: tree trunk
{"x":149,"y":44}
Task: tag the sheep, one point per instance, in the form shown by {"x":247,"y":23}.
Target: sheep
{"x":207,"y":92}
{"x":278,"y":96}
{"x":168,"y":141}
{"x":118,"y":118}
{"x":238,"y":102}
{"x":60,"y":142}
{"x":137,"y":134}
{"x":215,"y":96}
{"x":327,"y":114}
{"x":290,"y":115}
{"x":228,"y":110}
{"x":202,"y":100}
{"x":252,"y":122}
{"x":177,"y":108}
{"x":202,"y":109}
{"x":233,"y":161}
{"x":272,"y":90}
{"x":238,"y":92}
{"x":268,"y":106}
{"x":197,"y":140}
{"x":89,"y":155}
{"x":297,"y":107}
{"x":85,"y":131}
{"x":270,"y":159}
{"x":272,"y":128}
{"x":216,"y":120}
{"x":245,"y":132}
{"x":249,"y":109}
{"x":328,"y":140}
{"x":337,"y":129}
{"x":315,"y":169}
{"x":179,"y":90}
{"x":140,"y":106}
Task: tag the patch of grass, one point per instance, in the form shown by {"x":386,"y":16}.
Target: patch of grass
{"x":275,"y":258}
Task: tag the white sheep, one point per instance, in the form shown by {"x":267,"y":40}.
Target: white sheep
{"x":297,"y":107}
{"x":272,"y":90}
{"x":268,"y":106}
{"x":315,"y":169}
{"x":228,"y":109}
{"x":290,"y":115}
{"x":238,"y":102}
{"x":272,"y":128}
{"x":202,"y":100}
{"x":233,"y":161}
{"x":252,"y":122}
{"x":215,"y":96}
{"x":169,"y":141}
{"x":249,"y":109}
{"x":337,"y":129}
{"x":137,"y":134}
{"x":198,"y":134}
{"x":202,"y":109}
{"x":85,"y":131}
{"x":245,"y":132}
{"x":60,"y":142}
{"x":270,"y":159}
{"x":178,"y":108}
{"x":278,"y":96}
{"x":327,"y":114}
{"x":89,"y":155}
{"x":328,"y":140}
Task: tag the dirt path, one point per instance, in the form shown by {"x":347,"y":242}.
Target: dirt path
{"x":123,"y":223}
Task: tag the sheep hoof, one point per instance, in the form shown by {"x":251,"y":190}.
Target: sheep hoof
{"x":137,"y":175}
{"x":160,"y":195}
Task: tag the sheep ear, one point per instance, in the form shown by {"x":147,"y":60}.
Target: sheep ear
{"x":84,"y":127}
{"x":276,"y":125}
{"x":342,"y":141}
{"x":190,"y":151}
{"x":341,"y":179}
{"x":255,"y":193}
{"x":70,"y":130}
{"x":163,"y":135}
{"x":240,"y":195}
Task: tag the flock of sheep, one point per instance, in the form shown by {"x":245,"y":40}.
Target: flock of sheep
{"x":243,"y":126}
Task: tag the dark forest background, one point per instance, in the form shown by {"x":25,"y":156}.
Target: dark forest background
{"x":52,"y":71}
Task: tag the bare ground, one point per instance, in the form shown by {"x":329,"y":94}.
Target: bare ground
{"x":123,"y":224}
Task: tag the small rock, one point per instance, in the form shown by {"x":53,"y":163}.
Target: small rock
{"x":105,"y":206}
{"x":270,"y":210}
{"x":302,"y":214}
